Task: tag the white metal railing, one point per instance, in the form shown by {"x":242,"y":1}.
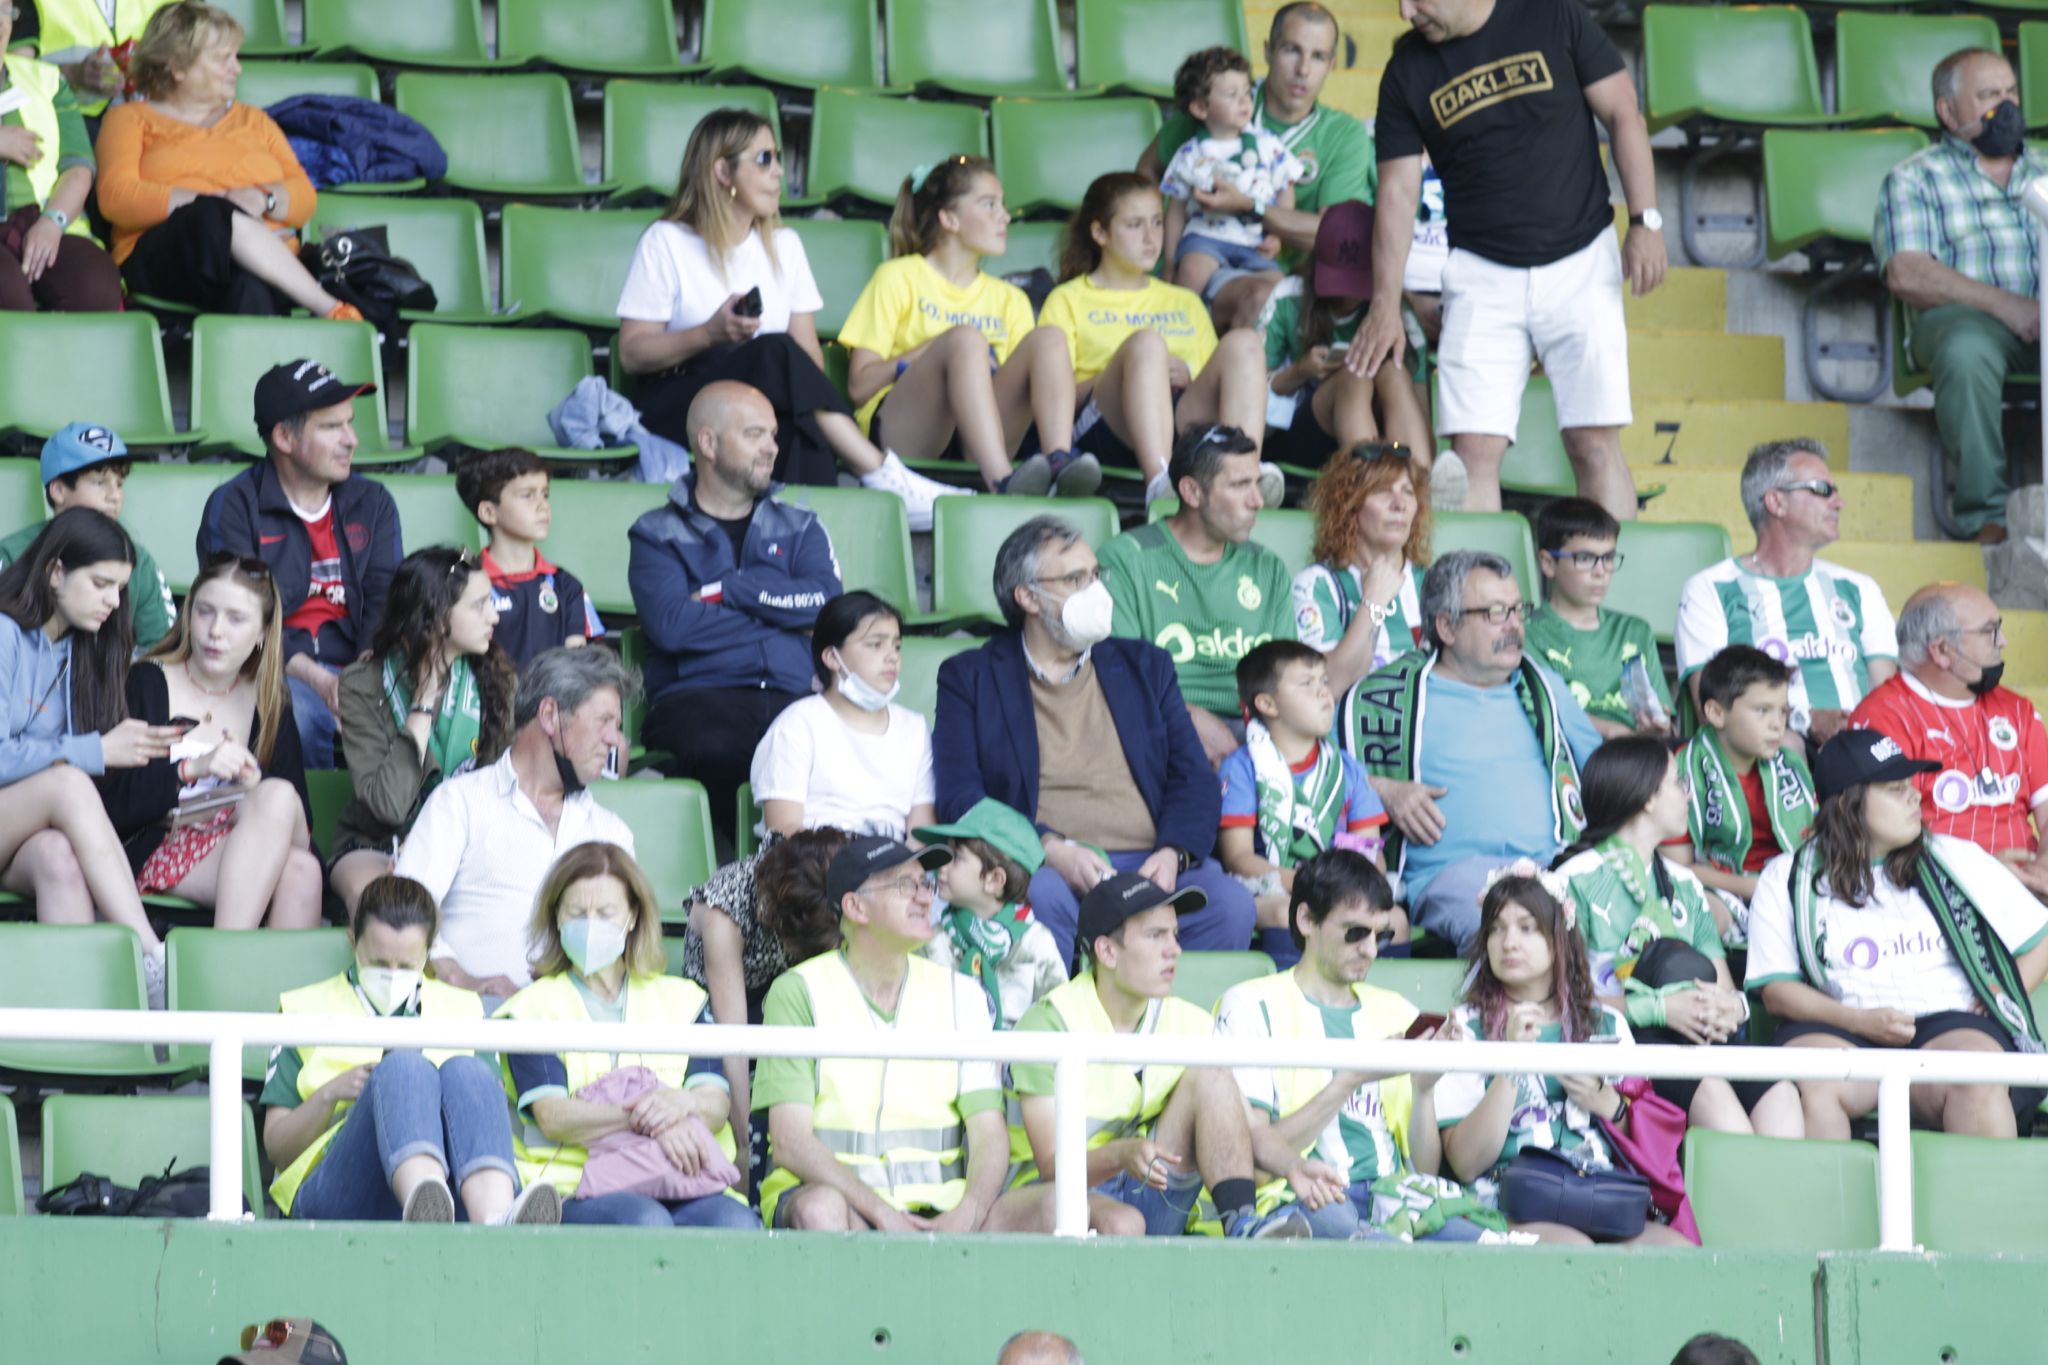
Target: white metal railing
{"x":225,"y":1035}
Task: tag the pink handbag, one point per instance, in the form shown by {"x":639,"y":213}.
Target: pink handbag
{"x":628,"y":1163}
{"x":1651,"y":1143}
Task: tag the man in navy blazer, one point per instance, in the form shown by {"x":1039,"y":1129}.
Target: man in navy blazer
{"x":1089,"y":737}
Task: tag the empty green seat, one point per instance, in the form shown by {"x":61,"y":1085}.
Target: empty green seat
{"x":61,"y":367}
{"x":567,"y":264}
{"x":266,"y":83}
{"x":21,"y":493}
{"x":1822,"y":187}
{"x":1747,"y":65}
{"x":844,"y":254}
{"x":1661,"y":555}
{"x":504,"y":135}
{"x":230,"y":353}
{"x":243,"y":971}
{"x":1123,"y":46}
{"x":1537,"y":463}
{"x":588,"y":534}
{"x":2032,"y":63}
{"x":263,"y":30}
{"x":128,"y":1137}
{"x":671,"y":824}
{"x":919,"y":675}
{"x":805,"y":43}
{"x":1030,"y":246}
{"x":974,"y":47}
{"x":1049,"y":151}
{"x":862,"y":146}
{"x":328,"y":790}
{"x":1980,"y":1196}
{"x":74,"y":966}
{"x":1202,"y":978}
{"x":647,"y":124}
{"x":967,"y":532}
{"x":405,"y":32}
{"x":1503,"y":533}
{"x":1885,"y":62}
{"x":443,"y":238}
{"x":485,"y":387}
{"x":12,"y":1202}
{"x":1431,"y":984}
{"x":162,"y":506}
{"x":1760,"y":1193}
{"x":616,"y":37}
{"x":870,"y":535}
{"x":429,"y":511}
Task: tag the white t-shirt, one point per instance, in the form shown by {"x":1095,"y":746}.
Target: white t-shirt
{"x":865,"y":784}
{"x":1890,"y":954}
{"x":674,"y":282}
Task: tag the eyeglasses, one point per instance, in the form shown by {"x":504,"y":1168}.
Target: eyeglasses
{"x":1820,"y":488}
{"x":1358,"y":933}
{"x":766,"y":157}
{"x":465,"y":562}
{"x":1989,"y":630}
{"x":1499,"y":612}
{"x":906,"y":887}
{"x":1368,"y":451}
{"x":1072,"y":582}
{"x":1586,"y":561}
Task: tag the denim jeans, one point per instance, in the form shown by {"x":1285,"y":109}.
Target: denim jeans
{"x":1351,"y":1218}
{"x":641,"y":1211}
{"x":455,"y":1114}
{"x":1223,"y":925}
{"x":316,"y":723}
{"x":1166,"y":1211}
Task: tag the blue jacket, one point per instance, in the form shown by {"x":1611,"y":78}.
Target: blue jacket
{"x":35,"y":728}
{"x":342,"y":140}
{"x":758,"y":634}
{"x":986,"y":739}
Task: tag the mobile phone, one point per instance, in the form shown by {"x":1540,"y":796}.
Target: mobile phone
{"x":183,"y":724}
{"x":749,"y":305}
{"x":1339,"y":347}
{"x":1424,"y":1023}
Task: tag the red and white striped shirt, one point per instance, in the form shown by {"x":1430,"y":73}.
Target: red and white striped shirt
{"x":1993,"y":754}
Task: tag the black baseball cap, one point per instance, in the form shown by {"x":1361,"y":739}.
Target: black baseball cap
{"x":299,"y":386}
{"x":1855,"y":757}
{"x":862,"y":858}
{"x":1105,"y":908}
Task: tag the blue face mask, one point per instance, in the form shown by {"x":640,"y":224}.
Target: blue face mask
{"x":593,"y":944}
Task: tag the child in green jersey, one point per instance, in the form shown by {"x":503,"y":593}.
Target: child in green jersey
{"x":985,"y":928}
{"x":1608,"y":658}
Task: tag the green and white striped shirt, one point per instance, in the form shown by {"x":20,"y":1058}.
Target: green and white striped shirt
{"x":1940,"y":201}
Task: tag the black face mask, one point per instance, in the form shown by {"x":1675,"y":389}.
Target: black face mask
{"x":572,"y":781}
{"x":1982,"y":687}
{"x":2004,"y":130}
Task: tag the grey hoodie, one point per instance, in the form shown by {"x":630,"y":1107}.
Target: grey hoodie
{"x":35,"y":730}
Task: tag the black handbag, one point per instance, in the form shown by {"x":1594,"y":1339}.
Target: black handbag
{"x":356,"y":266}
{"x":1540,"y":1186}
{"x":174,"y":1194}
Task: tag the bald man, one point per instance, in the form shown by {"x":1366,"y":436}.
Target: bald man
{"x":727,"y":580}
{"x":1039,"y":1348}
{"x":1946,"y":705}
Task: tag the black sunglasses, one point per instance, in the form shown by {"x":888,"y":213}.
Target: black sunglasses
{"x":1358,"y":933}
{"x":245,"y":564}
{"x":1380,"y":450}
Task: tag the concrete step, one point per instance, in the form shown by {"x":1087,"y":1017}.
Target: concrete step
{"x":1903,"y":567}
{"x":1705,"y":365}
{"x":1690,"y":300}
{"x":1714,"y":433}
{"x":1877,"y":506}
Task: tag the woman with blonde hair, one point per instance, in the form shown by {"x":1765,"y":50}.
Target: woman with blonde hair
{"x":223,"y":819}
{"x":719,"y":289}
{"x":1360,"y":602}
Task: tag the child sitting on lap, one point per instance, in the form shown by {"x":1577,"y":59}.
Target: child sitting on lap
{"x":1207,"y":248}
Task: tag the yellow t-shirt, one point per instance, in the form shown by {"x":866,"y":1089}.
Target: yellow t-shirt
{"x":907,"y":303}
{"x":1096,"y":322}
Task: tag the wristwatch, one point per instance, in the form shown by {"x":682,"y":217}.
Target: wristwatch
{"x":270,"y":203}
{"x":59,"y":217}
{"x":1648,"y":218}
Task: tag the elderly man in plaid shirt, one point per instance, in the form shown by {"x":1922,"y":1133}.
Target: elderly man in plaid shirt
{"x":1955,"y":245}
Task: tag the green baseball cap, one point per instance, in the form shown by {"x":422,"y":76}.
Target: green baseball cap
{"x":1001,"y":827}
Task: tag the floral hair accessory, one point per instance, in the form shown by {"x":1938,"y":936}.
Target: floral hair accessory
{"x":1553,"y":882}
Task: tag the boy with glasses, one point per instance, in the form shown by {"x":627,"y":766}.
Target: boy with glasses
{"x":1607,"y":658}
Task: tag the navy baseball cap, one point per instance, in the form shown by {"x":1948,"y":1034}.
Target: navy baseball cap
{"x":862,"y":858}
{"x":299,"y":386}
{"x":1110,"y":903}
{"x":1856,"y":757}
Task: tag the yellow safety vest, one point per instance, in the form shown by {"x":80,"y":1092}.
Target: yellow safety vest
{"x":319,"y":1065}
{"x":41,"y":82}
{"x":896,"y":1123}
{"x":72,"y":28}
{"x":1123,"y":1101}
{"x":666,"y":1000}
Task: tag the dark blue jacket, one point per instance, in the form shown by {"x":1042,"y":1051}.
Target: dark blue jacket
{"x":342,"y":140}
{"x":986,"y":740}
{"x":759,"y":633}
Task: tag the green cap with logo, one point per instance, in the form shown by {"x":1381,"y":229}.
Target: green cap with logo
{"x":999,"y":826}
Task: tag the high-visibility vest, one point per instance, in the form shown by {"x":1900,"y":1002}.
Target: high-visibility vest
{"x":72,"y":28}
{"x":40,"y":82}
{"x":658,"y":1000}
{"x":896,"y":1123}
{"x":1123,"y":1101}
{"x":319,"y":1065}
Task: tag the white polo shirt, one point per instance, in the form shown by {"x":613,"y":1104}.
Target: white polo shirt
{"x":482,"y":849}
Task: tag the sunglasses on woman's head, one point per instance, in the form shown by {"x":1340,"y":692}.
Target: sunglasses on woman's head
{"x":245,"y":564}
{"x":1369,"y":451}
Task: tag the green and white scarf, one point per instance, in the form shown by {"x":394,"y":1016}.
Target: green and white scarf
{"x":1412,"y":1205}
{"x":1381,"y":722}
{"x":980,"y":946}
{"x":1718,"y":813}
{"x":1295,"y":824}
{"x":459,"y":720}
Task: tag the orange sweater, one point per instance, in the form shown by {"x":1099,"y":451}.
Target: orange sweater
{"x":145,"y":154}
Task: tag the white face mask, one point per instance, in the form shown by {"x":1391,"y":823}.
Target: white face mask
{"x":593,"y":944}
{"x":1085,"y":617}
{"x":865,"y":694}
{"x":387,"y":988}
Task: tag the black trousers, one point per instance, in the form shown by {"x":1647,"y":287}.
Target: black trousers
{"x":712,"y":733}
{"x":784,"y":373}
{"x":189,"y":258}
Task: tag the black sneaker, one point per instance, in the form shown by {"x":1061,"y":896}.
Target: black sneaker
{"x":1075,"y":474}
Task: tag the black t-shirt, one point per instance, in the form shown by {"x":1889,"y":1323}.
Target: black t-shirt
{"x":735,"y":529}
{"x":1503,"y":116}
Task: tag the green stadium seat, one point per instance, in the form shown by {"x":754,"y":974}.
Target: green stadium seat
{"x":162,"y":506}
{"x":443,"y":238}
{"x":671,"y":824}
{"x":128,"y":1137}
{"x":1980,"y":1196}
{"x":445,"y":33}
{"x":1201,"y":978}
{"x":1030,"y":246}
{"x":1760,"y":1193}
{"x":844,"y":254}
{"x":1536,"y":463}
{"x":429,"y":512}
{"x":1748,"y":66}
{"x":1431,"y":984}
{"x":2032,"y":62}
{"x":74,"y":966}
{"x":746,"y":837}
{"x":328,"y":790}
{"x":918,"y":677}
{"x":1884,"y":62}
{"x":243,"y":971}
{"x":1137,"y":47}
{"x":567,"y":265}
{"x":13,"y":1204}
{"x":1049,"y":151}
{"x":1822,"y":187}
{"x":588,"y":534}
{"x":21,"y":493}
{"x":967,"y":532}
{"x":862,"y":146}
{"x":485,"y":387}
{"x":1661,"y":555}
{"x":263,"y":31}
{"x":230,"y":353}
{"x":647,"y":124}
{"x":1287,"y":532}
{"x":505,"y":135}
{"x":972,"y":47}
{"x":675,"y":946}
{"x":1503,"y":533}
{"x":807,"y":43}
{"x":871,"y":537}
{"x":613,"y":37}
{"x":266,"y":83}
{"x":64,"y":365}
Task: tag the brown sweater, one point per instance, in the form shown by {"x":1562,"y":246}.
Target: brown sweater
{"x":1085,"y":790}
{"x":144,"y":154}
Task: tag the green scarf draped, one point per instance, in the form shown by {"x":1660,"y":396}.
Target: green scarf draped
{"x":1296,"y":820}
{"x":1381,"y":722}
{"x":452,"y":741}
{"x":1719,"y":816}
{"x":982,"y":945}
{"x":1412,"y":1205}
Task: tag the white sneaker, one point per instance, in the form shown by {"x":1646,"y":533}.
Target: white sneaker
{"x":1447,"y":483}
{"x":917,"y":491}
{"x":1272,"y":484}
{"x":1157,"y":489}
{"x":431,"y":1201}
{"x":538,"y":1205}
{"x":153,"y":977}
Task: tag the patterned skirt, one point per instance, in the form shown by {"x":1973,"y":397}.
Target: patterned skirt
{"x":180,"y":852}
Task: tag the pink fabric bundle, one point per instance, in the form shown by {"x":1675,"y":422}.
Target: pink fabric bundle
{"x":1651,"y":1143}
{"x":625,"y":1162}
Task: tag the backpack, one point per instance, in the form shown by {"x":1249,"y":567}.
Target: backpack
{"x":183,"y":1194}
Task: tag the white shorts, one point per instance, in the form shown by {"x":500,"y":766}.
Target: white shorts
{"x":1497,"y":318}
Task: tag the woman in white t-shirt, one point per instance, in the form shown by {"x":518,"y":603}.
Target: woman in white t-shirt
{"x":719,"y":289}
{"x":849,"y":757}
{"x":1877,"y":934}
